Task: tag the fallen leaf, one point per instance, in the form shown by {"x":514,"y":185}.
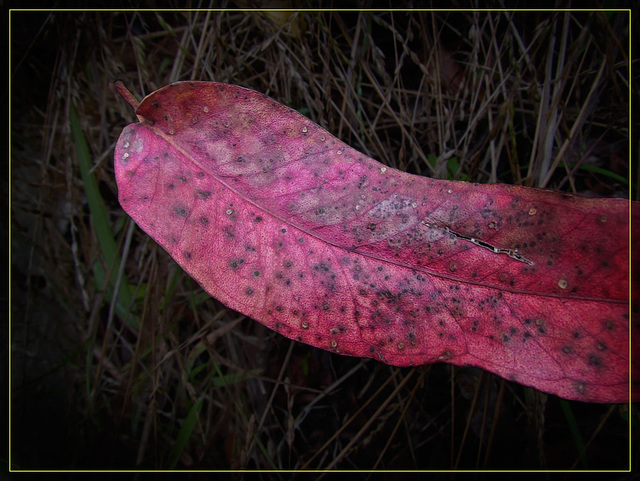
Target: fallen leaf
{"x":283,"y":222}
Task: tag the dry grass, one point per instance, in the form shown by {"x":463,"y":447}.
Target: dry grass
{"x":176,"y":380}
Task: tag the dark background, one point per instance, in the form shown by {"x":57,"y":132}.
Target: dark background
{"x":181,"y":382}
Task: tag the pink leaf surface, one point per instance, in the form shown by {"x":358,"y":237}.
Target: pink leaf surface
{"x":283,"y":222}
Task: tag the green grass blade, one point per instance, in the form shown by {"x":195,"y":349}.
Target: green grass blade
{"x":184,"y":434}
{"x":606,"y":173}
{"x":100,"y":221}
{"x":575,"y":431}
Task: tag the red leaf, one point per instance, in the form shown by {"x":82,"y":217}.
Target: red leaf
{"x":281,"y":221}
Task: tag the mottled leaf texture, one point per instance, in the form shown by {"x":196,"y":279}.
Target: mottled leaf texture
{"x":281,"y":221}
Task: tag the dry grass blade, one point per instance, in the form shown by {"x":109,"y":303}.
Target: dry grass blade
{"x":532,"y":98}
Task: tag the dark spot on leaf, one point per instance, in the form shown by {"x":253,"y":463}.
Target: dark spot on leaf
{"x":595,"y":361}
{"x":181,"y":211}
{"x":236,"y":263}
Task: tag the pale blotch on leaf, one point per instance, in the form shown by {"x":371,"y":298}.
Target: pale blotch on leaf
{"x":229,"y":211}
{"x":304,"y":130}
{"x":533,"y":211}
{"x":562,"y":284}
{"x":206,"y":110}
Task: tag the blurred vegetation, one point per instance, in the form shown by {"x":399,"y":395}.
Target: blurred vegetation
{"x":120,"y":360}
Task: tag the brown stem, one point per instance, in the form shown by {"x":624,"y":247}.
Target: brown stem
{"x":125,"y":94}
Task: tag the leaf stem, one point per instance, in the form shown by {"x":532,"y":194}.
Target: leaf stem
{"x":125,"y":94}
